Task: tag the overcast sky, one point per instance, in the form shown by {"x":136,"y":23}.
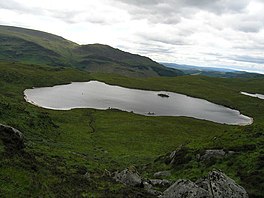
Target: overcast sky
{"x":226,"y":33}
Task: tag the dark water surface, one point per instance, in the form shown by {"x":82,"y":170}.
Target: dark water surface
{"x":99,"y":95}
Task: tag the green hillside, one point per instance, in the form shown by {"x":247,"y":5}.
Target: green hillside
{"x":61,"y":147}
{"x":19,"y":50}
{"x":46,"y":40}
{"x":36,"y":47}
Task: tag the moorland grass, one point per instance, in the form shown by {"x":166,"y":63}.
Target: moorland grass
{"x":61,"y":146}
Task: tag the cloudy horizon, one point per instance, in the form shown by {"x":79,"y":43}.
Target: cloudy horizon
{"x":220,"y":33}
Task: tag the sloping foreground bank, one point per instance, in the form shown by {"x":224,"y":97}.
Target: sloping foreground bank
{"x":215,"y":185}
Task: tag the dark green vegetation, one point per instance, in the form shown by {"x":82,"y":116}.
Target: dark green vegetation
{"x":35,"y":47}
{"x":61,"y":146}
{"x":213,"y":72}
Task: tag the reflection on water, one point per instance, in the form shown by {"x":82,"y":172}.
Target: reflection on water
{"x":99,"y":95}
{"x":253,"y":95}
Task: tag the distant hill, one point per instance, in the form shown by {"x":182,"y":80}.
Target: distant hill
{"x":212,"y":71}
{"x":36,"y":47}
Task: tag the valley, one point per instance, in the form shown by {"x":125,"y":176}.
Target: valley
{"x":87,"y":152}
{"x":60,"y":147}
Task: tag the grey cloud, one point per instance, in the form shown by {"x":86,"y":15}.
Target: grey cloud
{"x":173,"y":11}
{"x":11,"y":5}
{"x":252,"y":44}
{"x":215,"y":6}
{"x":154,"y":11}
{"x":68,"y":16}
{"x":248,"y":22}
{"x":71,"y":17}
{"x":218,"y":6}
{"x":164,"y":38}
{"x":141,"y":2}
{"x":155,"y":48}
{"x":216,"y":55}
{"x":16,"y":6}
{"x":171,"y":41}
{"x":249,"y":59}
{"x":250,"y":27}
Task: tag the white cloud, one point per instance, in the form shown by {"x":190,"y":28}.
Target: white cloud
{"x":209,"y":33}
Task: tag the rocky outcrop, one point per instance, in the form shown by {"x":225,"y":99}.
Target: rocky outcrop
{"x":221,"y":186}
{"x":160,"y":182}
{"x":185,"y":189}
{"x":178,"y":156}
{"x":149,"y":188}
{"x":151,"y":184}
{"x":215,"y":185}
{"x":162,"y":174}
{"x":210,"y":154}
{"x":12,"y":139}
{"x":128,"y":177}
{"x":183,"y":155}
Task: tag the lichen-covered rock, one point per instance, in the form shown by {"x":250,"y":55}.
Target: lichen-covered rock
{"x":215,"y":185}
{"x":203,"y":183}
{"x":221,"y":186}
{"x":178,"y":156}
{"x":185,"y":189}
{"x":150,"y":190}
{"x":128,"y":177}
{"x":160,"y":182}
{"x":12,"y":138}
{"x":161,"y":174}
{"x":213,"y":154}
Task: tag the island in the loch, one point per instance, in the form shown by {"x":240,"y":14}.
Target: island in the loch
{"x":163,"y":95}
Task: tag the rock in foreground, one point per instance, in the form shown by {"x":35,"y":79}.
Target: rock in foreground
{"x":221,"y":186}
{"x":161,"y":174}
{"x":13,"y":139}
{"x":185,"y":189}
{"x":216,"y":185}
{"x":128,"y":177}
{"x":212,"y":154}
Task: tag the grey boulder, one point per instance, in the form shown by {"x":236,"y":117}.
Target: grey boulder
{"x":128,"y":177}
{"x":149,"y":188}
{"x":212,"y":154}
{"x":185,"y":189}
{"x":160,"y":182}
{"x":215,"y":185}
{"x":221,"y":186}
{"x":161,"y":174}
{"x":12,"y":138}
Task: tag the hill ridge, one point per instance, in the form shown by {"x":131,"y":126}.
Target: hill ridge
{"x":91,"y":57}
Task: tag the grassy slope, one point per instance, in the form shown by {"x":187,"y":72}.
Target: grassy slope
{"x":106,"y":59}
{"x":62,"y":146}
{"x":19,"y":50}
{"x":46,"y":40}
